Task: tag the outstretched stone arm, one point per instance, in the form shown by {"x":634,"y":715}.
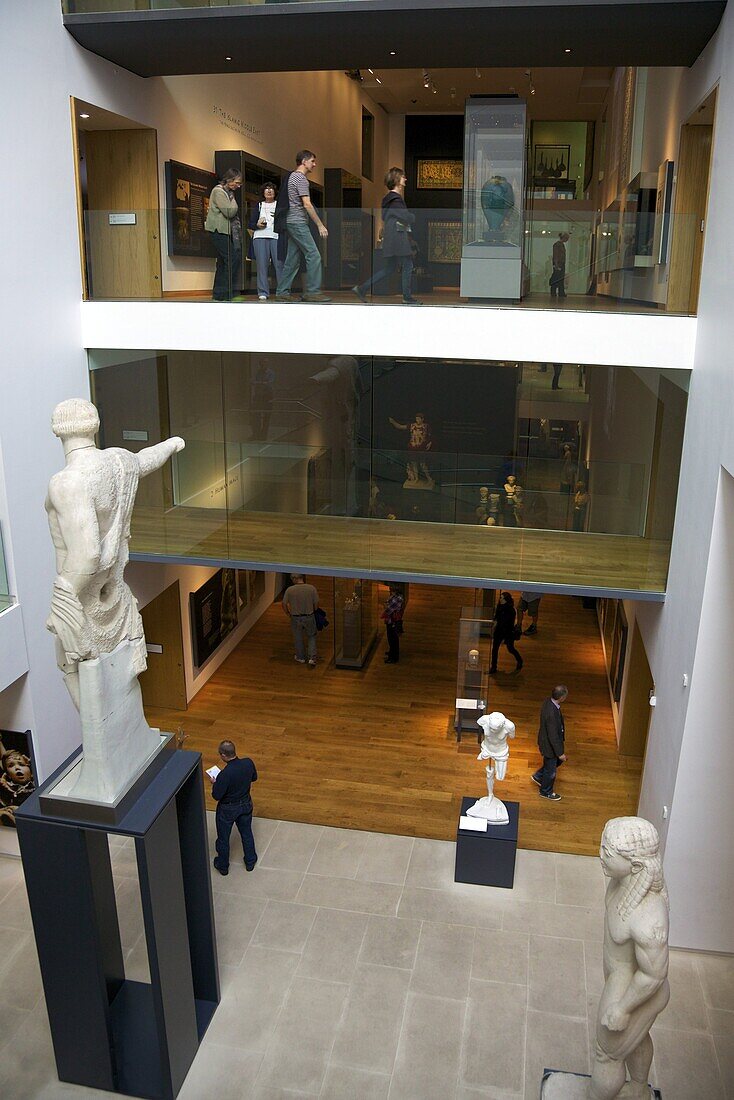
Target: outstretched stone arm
{"x":152,"y":458}
{"x":652,"y":969}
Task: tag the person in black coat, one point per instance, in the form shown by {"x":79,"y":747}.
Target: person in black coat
{"x":504,"y":630}
{"x":551,"y":742}
{"x":397,"y":237}
{"x":231,"y":792}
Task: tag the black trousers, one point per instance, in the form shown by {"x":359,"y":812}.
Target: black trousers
{"x":393,"y":641}
{"x":239,"y":814}
{"x":558,"y":283}
{"x":227,"y":272}
{"x":509,"y":641}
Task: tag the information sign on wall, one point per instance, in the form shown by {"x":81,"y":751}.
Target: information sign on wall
{"x":187,"y":204}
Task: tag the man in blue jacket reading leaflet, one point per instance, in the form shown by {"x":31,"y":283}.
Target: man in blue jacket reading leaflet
{"x":231,"y":792}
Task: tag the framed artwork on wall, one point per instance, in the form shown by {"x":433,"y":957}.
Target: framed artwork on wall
{"x":619,"y":652}
{"x":444,"y":242}
{"x":213,"y":612}
{"x":255,"y":584}
{"x":551,"y":162}
{"x":243,"y":592}
{"x":439,"y":174}
{"x":187,"y":204}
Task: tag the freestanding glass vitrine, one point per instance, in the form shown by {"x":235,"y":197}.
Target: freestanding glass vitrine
{"x":475,"y":643}
{"x":494,"y":183}
{"x":356,"y":621}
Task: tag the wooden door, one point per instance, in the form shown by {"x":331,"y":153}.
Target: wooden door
{"x":691,"y":198}
{"x":164,"y":682}
{"x":122,"y":179}
{"x":636,"y":710}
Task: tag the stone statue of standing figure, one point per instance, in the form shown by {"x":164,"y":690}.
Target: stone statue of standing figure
{"x":497,"y":729}
{"x":100,"y":645}
{"x":636,"y":986}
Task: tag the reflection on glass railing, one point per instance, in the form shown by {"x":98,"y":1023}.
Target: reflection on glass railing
{"x":5,"y":597}
{"x":572,"y":258}
{"x":324,"y":461}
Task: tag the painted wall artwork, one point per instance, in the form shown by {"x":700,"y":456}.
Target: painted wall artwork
{"x":551,"y":162}
{"x":444,"y":242}
{"x":440,"y":174}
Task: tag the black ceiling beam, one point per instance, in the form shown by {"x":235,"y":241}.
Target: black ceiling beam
{"x":356,"y":34}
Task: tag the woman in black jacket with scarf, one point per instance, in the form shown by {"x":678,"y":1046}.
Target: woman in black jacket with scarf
{"x":397,"y":224}
{"x":504,"y":630}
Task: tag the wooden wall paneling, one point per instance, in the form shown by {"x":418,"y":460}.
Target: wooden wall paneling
{"x":122,"y":177}
{"x":163,"y":683}
{"x":691,"y":196}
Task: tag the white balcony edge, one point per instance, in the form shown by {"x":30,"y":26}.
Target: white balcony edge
{"x":443,"y":332}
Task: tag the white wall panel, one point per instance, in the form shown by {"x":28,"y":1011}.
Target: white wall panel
{"x":567,"y":336}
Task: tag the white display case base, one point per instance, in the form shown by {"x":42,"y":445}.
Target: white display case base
{"x":491,"y":271}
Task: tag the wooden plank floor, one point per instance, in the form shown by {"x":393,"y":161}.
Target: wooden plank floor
{"x":375,"y":749}
{"x":363,"y":546}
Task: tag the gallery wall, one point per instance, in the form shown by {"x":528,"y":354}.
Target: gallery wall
{"x":699,"y":862}
{"x":148,"y":579}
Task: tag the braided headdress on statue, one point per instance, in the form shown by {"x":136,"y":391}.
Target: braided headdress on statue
{"x":637,"y":840}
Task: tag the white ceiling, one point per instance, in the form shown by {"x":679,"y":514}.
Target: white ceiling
{"x":567,"y":93}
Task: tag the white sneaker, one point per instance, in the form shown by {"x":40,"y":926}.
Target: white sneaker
{"x":312,"y":663}
{"x":301,"y":660}
{"x":262,"y":297}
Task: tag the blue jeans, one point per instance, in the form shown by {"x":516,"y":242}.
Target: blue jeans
{"x":300,"y":244}
{"x":391,"y":266}
{"x":546,"y":774}
{"x":239,"y":814}
{"x":304,"y":626}
{"x":266,"y":249}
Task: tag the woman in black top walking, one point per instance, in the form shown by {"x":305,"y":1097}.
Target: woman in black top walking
{"x":504,"y":630}
{"x":397,"y":237}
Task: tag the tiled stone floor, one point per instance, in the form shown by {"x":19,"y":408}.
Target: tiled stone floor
{"x":354,"y":968}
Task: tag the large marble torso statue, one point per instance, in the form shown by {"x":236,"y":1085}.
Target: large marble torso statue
{"x":636,"y":986}
{"x":100,"y":644}
{"x":497,"y":729}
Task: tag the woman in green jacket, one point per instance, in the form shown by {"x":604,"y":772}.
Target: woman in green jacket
{"x":223,"y":222}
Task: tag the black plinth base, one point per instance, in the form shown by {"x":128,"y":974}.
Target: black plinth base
{"x":133,"y":1038}
{"x":488,"y":859}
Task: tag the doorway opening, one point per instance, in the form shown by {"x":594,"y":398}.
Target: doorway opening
{"x":116,"y":162}
{"x":691,"y":201}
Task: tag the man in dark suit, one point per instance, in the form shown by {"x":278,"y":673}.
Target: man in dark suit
{"x":231,"y":792}
{"x":551,"y":737}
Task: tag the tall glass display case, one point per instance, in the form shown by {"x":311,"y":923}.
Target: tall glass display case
{"x":475,"y":645}
{"x":494,"y":188}
{"x":356,"y":621}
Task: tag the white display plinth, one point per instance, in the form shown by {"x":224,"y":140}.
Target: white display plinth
{"x":491,"y":270}
{"x":575,"y":1086}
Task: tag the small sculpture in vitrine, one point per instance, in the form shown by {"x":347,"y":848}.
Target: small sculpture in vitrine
{"x":497,"y":730}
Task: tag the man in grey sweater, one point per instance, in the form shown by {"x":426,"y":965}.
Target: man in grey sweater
{"x":300,"y":601}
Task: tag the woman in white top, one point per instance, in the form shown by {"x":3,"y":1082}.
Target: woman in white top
{"x":265,"y":239}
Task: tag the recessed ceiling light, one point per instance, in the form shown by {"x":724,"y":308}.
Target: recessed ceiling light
{"x":567,"y":50}
{"x":228,"y":59}
{"x":392,"y":53}
{"x":83,"y":114}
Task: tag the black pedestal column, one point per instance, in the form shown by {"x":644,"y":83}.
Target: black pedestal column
{"x":133,"y":1038}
